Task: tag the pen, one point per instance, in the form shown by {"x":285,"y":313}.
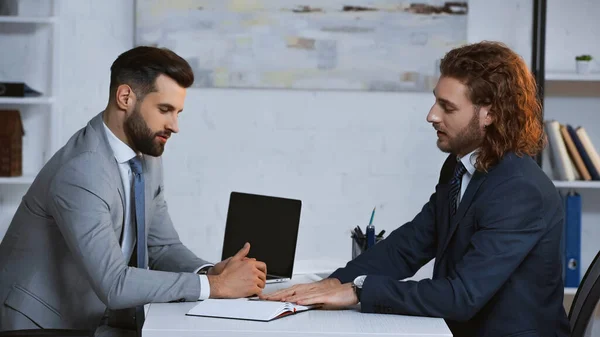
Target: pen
{"x":371,"y":232}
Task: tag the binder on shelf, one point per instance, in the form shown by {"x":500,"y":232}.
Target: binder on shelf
{"x":572,"y":242}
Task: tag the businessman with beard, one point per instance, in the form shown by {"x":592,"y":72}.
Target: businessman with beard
{"x":494,"y":223}
{"x":92,"y":240}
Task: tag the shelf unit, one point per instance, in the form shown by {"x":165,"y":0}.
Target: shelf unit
{"x":571,"y":76}
{"x":28,"y":19}
{"x":27,"y":30}
{"x":570,"y":291}
{"x":25,"y":179}
{"x":542,"y":75}
{"x":27,"y":100}
{"x":577,"y":184}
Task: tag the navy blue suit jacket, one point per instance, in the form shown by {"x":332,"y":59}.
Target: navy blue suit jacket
{"x":498,"y":262}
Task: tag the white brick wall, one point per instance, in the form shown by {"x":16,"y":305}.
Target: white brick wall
{"x":341,"y":154}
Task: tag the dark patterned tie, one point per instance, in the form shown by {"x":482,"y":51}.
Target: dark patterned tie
{"x":140,"y":213}
{"x":455,"y":183}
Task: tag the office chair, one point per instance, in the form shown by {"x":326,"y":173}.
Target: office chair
{"x":46,"y":333}
{"x":586,"y":299}
{"x":108,"y":320}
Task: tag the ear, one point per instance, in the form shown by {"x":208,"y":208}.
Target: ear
{"x":485,"y":116}
{"x":125,"y":98}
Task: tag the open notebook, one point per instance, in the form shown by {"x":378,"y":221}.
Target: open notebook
{"x":255,"y":310}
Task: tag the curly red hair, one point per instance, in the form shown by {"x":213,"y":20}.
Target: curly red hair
{"x":498,"y":77}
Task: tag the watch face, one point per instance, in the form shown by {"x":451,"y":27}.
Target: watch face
{"x":358,"y":282}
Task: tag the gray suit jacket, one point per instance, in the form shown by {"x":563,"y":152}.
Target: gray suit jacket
{"x":61,"y":264}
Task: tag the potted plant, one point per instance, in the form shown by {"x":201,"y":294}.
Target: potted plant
{"x":582,"y":63}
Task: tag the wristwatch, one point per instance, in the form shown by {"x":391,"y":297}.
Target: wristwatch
{"x":204,"y":270}
{"x":357,"y":285}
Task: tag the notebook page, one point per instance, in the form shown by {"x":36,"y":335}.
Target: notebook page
{"x":239,"y":309}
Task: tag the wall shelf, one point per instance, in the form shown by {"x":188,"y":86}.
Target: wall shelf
{"x":25,"y":179}
{"x":27,"y":100}
{"x":570,"y":291}
{"x":572,"y":76}
{"x":27,"y":19}
{"x":33,"y":30}
{"x":576,"y":184}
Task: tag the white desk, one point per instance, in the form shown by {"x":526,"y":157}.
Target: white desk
{"x":169,"y":320}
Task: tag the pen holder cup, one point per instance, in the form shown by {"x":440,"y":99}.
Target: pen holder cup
{"x":358,"y":249}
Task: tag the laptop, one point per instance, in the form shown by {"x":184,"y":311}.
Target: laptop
{"x":270,"y":224}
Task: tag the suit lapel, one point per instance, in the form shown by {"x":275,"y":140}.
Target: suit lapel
{"x":464,"y":205}
{"x":98,"y":125}
{"x":444,"y":209}
{"x":120,"y":189}
{"x":148,"y":197}
{"x":147,"y":192}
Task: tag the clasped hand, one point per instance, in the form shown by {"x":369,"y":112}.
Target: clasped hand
{"x":238,"y":276}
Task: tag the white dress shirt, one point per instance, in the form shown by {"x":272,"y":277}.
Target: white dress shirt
{"x":123,"y":153}
{"x":469,"y":162}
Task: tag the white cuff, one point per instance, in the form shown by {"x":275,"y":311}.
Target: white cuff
{"x":204,"y":287}
{"x":203,"y":266}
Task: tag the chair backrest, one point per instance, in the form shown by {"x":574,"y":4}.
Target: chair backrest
{"x":586,"y":299}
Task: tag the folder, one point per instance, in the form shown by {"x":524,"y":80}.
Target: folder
{"x":572,"y":245}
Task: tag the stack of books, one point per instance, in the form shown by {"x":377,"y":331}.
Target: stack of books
{"x":571,"y":154}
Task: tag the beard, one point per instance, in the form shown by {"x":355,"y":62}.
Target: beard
{"x":466,"y":140}
{"x":141,"y":136}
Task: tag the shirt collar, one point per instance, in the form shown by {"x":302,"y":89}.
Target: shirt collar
{"x":469,"y":161}
{"x":123,"y":153}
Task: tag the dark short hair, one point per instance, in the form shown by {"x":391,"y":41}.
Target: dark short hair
{"x":139,"y":67}
{"x":498,"y":77}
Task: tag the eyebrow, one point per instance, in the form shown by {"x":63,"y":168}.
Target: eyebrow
{"x":445,"y":101}
{"x":168,"y":106}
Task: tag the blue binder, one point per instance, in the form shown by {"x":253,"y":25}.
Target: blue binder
{"x":563,"y":246}
{"x":572,"y":240}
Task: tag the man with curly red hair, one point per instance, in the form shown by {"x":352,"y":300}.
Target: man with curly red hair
{"x":493,"y":225}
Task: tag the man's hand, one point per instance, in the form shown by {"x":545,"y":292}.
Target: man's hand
{"x":240,"y":276}
{"x":301,"y":289}
{"x":218,"y":268}
{"x":336,"y":297}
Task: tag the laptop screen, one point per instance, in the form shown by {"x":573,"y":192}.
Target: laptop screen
{"x":269,"y":224}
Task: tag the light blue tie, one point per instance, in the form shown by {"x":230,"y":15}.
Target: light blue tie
{"x":140,"y":215}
